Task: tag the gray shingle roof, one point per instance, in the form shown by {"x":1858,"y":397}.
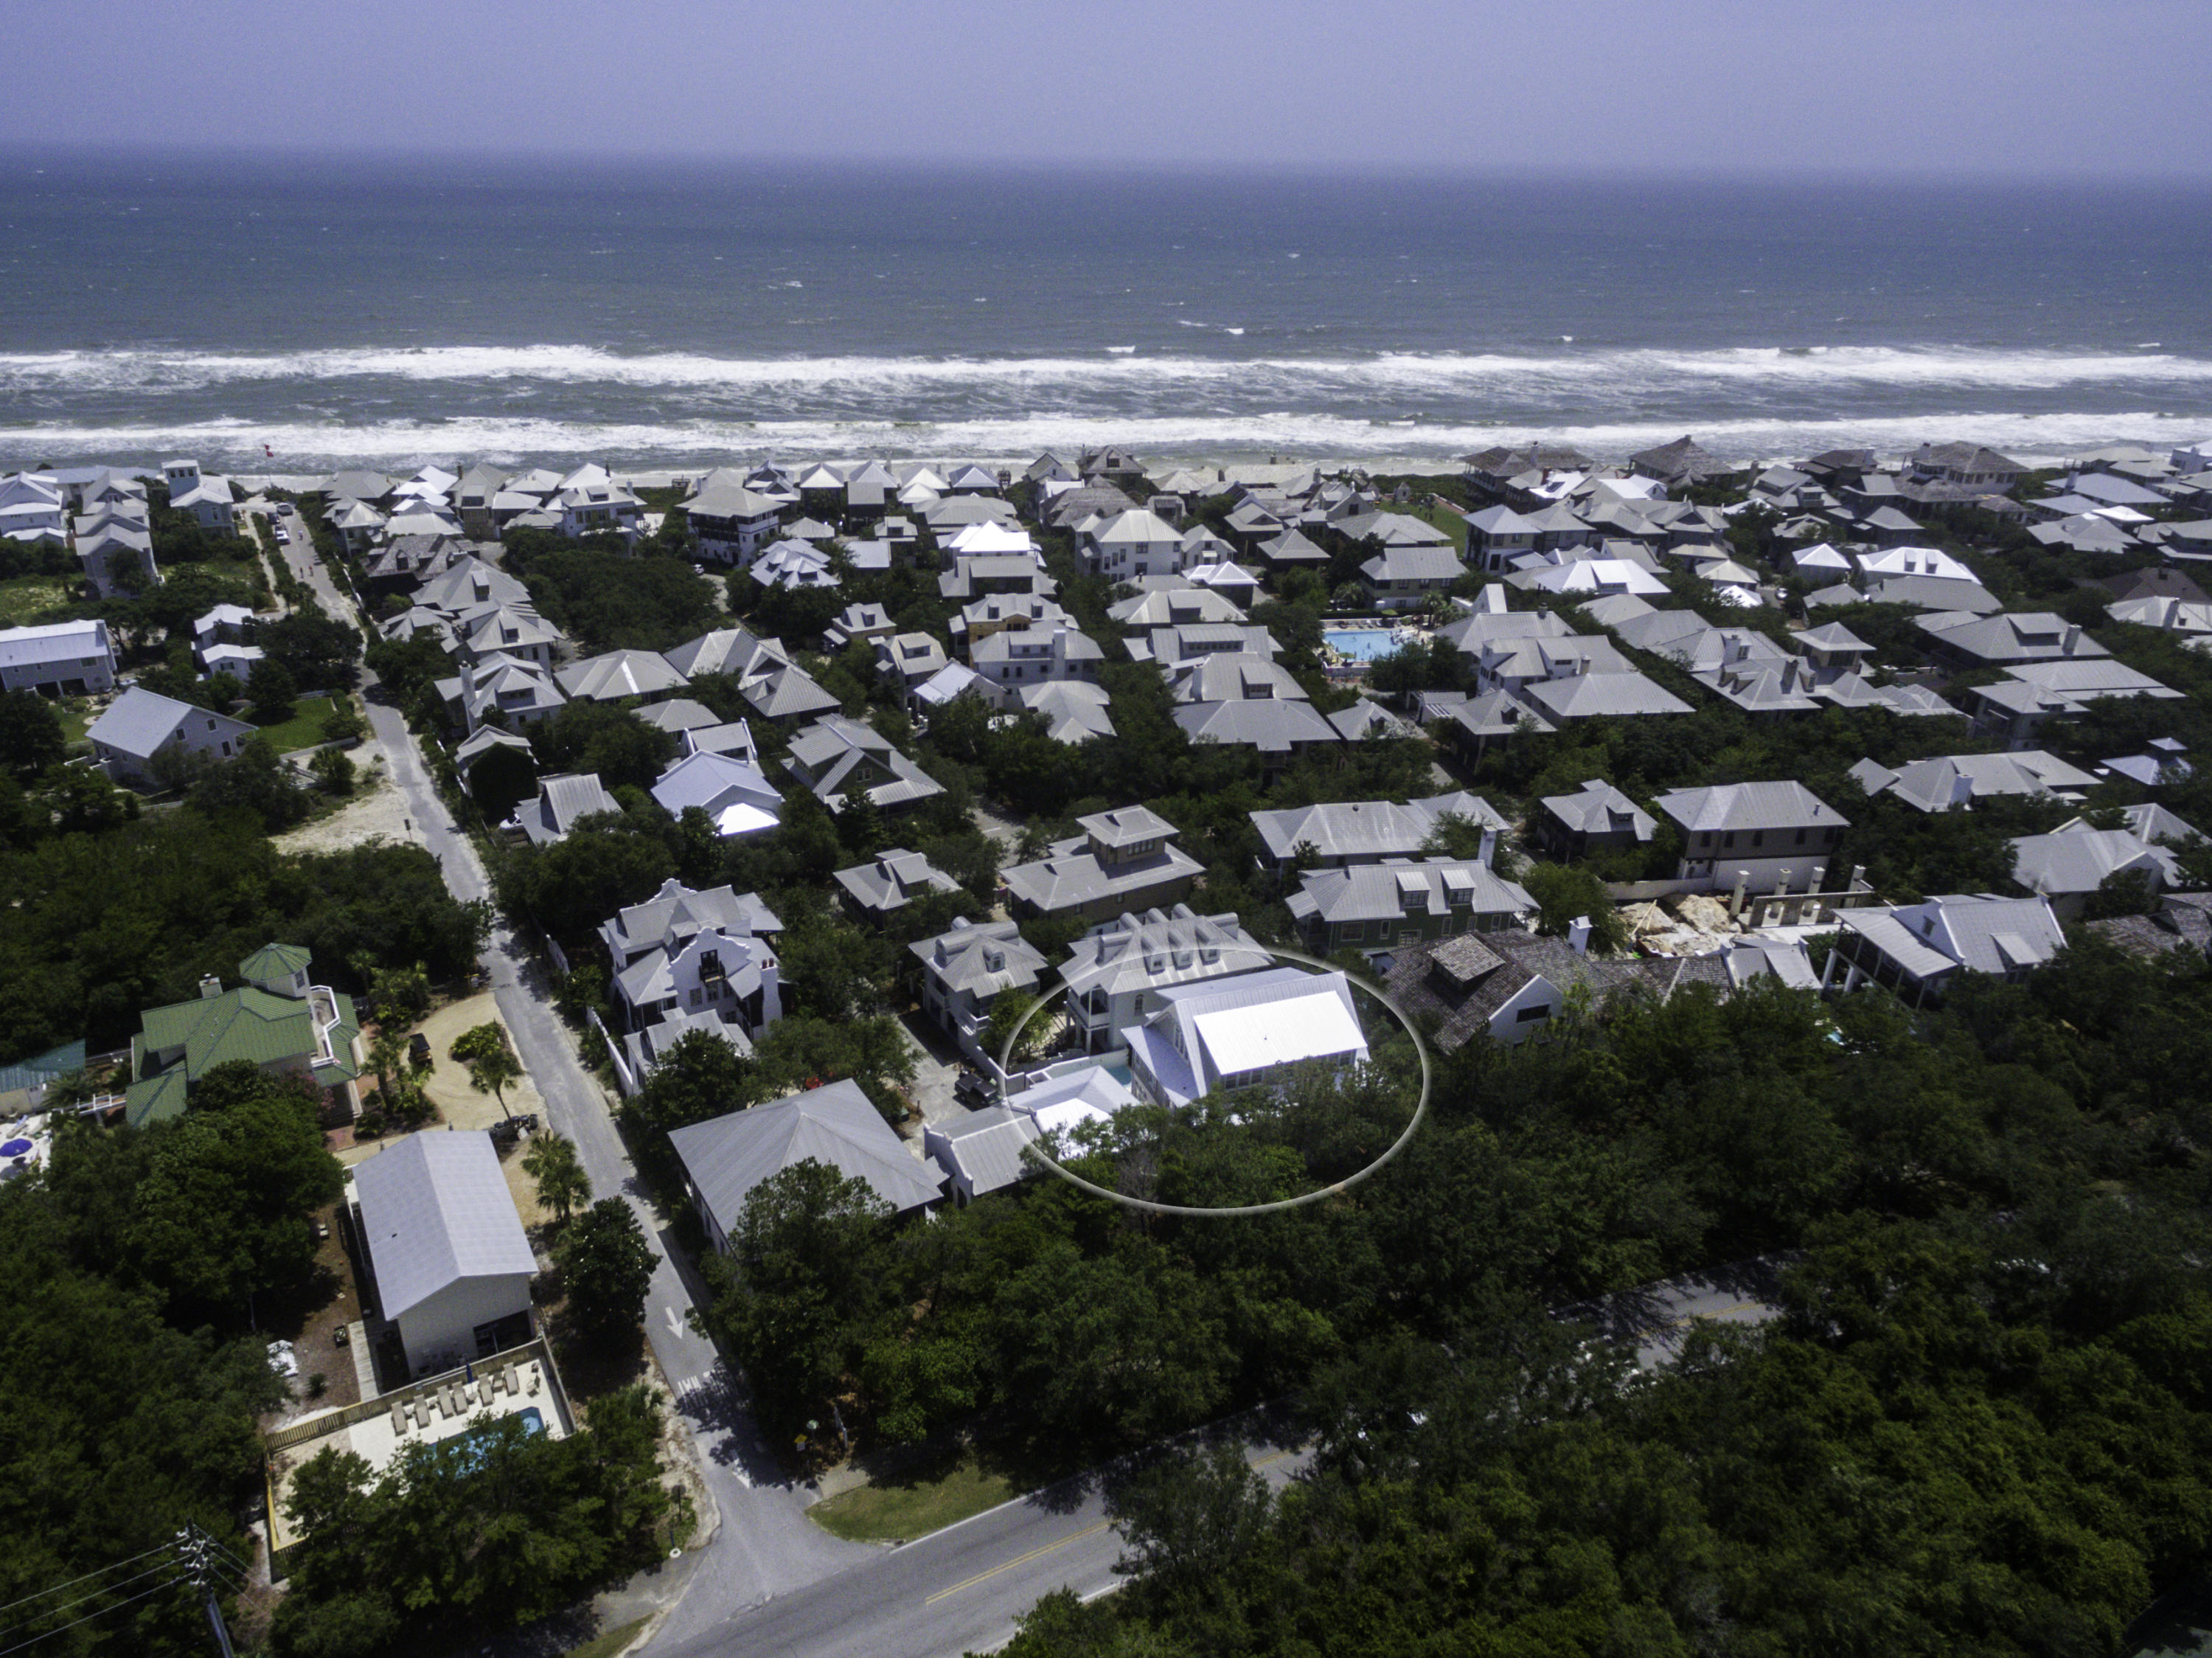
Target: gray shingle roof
{"x":139,"y":722}
{"x":726,"y":1157}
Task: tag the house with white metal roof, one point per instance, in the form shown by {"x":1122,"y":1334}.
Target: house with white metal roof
{"x":890,"y":881}
{"x":1944,"y":782}
{"x":523,"y":693}
{"x":2068,"y":865}
{"x":1115,"y":971}
{"x":1073,"y":710}
{"x":773,"y":686}
{"x":964,"y":971}
{"x":1597,"y":818}
{"x":1918,"y":950}
{"x":1618,"y":696}
{"x":1138,"y":542}
{"x":2007,"y":638}
{"x":618,"y":675}
{"x":1407,"y":578}
{"x":735,"y":793}
{"x":1252,"y":1031}
{"x":1014,"y":659}
{"x":1337,"y":834}
{"x":689,"y":951}
{"x":446,"y":1247}
{"x":2017,"y":708}
{"x":1124,"y":860}
{"x":563,"y":801}
{"x":838,"y":759}
{"x":1405,"y":902}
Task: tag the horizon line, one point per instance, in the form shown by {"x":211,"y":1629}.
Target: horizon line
{"x":1585,"y":173}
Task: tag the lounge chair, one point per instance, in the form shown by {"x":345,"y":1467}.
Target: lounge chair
{"x":399,"y":1418}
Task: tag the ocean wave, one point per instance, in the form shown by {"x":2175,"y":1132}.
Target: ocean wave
{"x":1495,"y":373}
{"x":239,"y":444}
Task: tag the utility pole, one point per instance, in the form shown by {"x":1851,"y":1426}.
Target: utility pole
{"x":195,"y":1546}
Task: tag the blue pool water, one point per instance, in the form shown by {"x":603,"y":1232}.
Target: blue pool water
{"x":1362,"y":644}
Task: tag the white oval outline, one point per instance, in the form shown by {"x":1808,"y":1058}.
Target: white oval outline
{"x":1336,"y":1189}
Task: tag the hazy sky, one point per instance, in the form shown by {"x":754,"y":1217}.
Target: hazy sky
{"x":1942,"y":86}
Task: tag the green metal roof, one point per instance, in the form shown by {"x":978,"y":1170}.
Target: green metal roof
{"x":157,"y":1100}
{"x":43,"y":1067}
{"x":275,"y":961}
{"x":242,"y":1024}
{"x":343,"y":1036}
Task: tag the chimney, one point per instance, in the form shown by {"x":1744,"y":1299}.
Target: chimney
{"x":210,"y":987}
{"x":2072,"y":639}
{"x":1578,"y":932}
{"x":1488,"y":856}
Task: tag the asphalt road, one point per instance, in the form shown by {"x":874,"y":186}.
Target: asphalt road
{"x":955,"y":1591}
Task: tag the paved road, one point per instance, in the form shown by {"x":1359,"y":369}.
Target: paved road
{"x":955,"y":1591}
{"x":1656,"y":1317}
{"x":764,"y":1545}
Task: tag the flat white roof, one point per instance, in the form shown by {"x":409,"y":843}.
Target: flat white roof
{"x":1313,"y":1026}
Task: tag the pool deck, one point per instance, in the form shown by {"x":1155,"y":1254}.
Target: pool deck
{"x":1393,"y":636}
{"x":436,"y":1408}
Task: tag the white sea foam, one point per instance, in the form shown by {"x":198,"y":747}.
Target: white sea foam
{"x":237,"y":443}
{"x":1502,"y":374}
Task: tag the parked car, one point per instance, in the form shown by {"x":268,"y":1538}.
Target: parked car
{"x":972,"y":1090}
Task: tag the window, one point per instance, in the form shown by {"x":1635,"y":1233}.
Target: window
{"x":1541,"y":1010}
{"x":1758,"y":838}
{"x":1801,"y":837}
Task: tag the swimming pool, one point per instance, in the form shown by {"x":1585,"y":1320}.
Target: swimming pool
{"x":1362,"y":644}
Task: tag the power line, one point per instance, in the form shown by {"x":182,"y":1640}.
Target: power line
{"x":56,"y":1612}
{"x":114,"y":1566}
{"x":89,"y":1616}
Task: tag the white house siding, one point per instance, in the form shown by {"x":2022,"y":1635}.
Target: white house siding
{"x":440,"y":1332}
{"x":1530,"y":1009}
{"x":72,"y":665}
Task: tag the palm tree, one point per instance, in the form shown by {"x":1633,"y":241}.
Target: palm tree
{"x":562,"y":1186}
{"x":492,"y":1064}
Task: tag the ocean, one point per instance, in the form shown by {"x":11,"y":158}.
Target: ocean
{"x":288,"y":316}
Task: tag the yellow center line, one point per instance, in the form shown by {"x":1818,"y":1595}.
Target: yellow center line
{"x":1019,"y":1560}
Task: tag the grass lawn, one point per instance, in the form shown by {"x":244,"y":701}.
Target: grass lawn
{"x":606,"y":1645}
{"x":913,"y":1503}
{"x":22,"y":598}
{"x":304,"y":730}
{"x":1450,"y":522}
{"x":75,"y":715}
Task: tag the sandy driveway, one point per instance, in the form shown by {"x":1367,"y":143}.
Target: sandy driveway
{"x":447,"y":1084}
{"x":378,"y":811}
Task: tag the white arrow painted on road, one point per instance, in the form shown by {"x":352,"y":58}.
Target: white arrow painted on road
{"x":675,"y":1323}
